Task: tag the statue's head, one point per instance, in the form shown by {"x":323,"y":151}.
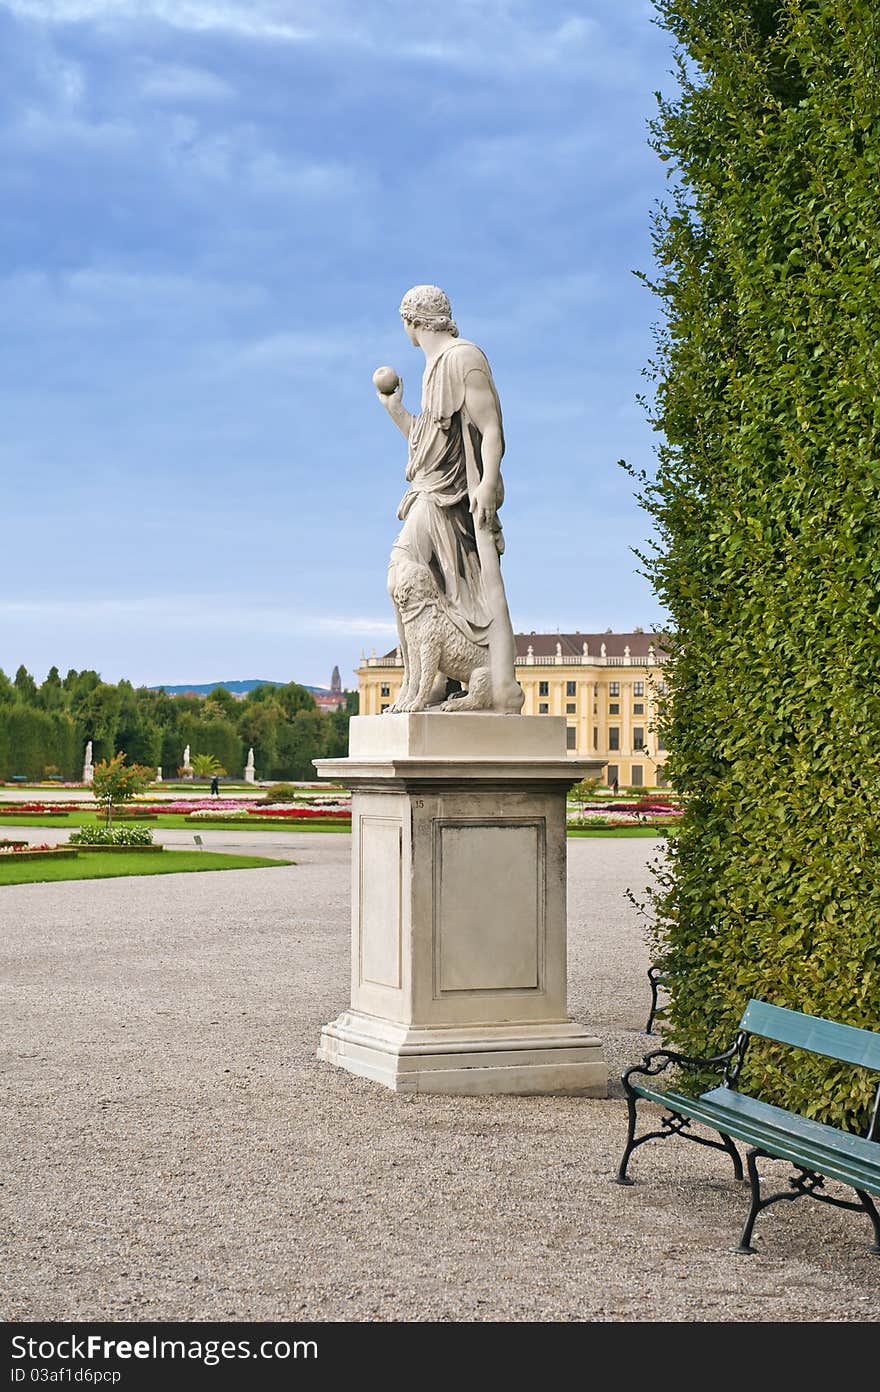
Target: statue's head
{"x":427,"y":307}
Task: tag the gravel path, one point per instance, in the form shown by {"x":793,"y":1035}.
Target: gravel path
{"x":172,"y":1149}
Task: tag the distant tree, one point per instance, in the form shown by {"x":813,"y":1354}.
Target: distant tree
{"x":25,"y":685}
{"x":116,"y":782}
{"x":294,"y":698}
{"x":221,"y":702}
{"x":207,"y":766}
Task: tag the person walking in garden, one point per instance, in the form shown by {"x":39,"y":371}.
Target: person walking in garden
{"x":215,"y":786}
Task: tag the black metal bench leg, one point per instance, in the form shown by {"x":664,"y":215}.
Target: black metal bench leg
{"x":871,"y":1209}
{"x":734,"y":1155}
{"x":745,"y":1243}
{"x":649,"y":1025}
{"x":622,"y":1177}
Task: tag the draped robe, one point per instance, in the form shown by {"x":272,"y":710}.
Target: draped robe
{"x":443,"y":470}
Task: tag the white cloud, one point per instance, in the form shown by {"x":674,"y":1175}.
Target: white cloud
{"x":177,"y":83}
{"x":497,"y":38}
{"x":196,"y":613}
{"x":250,"y":18}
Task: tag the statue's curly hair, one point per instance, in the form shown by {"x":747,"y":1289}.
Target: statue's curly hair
{"x":428,"y":307}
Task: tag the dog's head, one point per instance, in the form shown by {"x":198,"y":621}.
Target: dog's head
{"x":414,"y":587}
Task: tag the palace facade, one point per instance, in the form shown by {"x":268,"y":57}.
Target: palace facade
{"x":606,"y":686}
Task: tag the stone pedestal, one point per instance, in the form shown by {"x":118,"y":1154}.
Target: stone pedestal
{"x":458,"y":981}
{"x":249,"y":775}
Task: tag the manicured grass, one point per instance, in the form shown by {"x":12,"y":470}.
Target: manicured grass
{"x":103,"y":867}
{"x":173,"y":822}
{"x":620,"y":831}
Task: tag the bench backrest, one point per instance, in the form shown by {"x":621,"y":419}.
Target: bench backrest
{"x":842,"y":1042}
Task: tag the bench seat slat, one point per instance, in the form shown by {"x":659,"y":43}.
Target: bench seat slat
{"x":844,"y":1043}
{"x":803,"y":1128}
{"x":858,"y":1172}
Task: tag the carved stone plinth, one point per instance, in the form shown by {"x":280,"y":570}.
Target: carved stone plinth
{"x":458,"y":981}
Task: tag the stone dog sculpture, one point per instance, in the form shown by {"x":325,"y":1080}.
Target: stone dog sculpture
{"x":435,"y":646}
{"x":444,"y":575}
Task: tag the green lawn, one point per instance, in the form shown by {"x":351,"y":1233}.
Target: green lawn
{"x":619,"y":831}
{"x":95,"y":866}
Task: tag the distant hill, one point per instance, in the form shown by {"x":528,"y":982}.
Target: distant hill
{"x":238,"y":688}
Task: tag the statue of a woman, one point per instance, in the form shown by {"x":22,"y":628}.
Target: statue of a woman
{"x":444,"y":575}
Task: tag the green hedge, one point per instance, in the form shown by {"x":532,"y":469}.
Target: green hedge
{"x":767,"y":505}
{"x":31,"y":738}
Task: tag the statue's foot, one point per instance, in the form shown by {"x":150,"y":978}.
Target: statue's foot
{"x":508,"y":699}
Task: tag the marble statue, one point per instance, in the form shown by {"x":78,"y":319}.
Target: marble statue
{"x":444,"y":575}
{"x":159,"y":774}
{"x":88,"y":770}
{"x":249,"y":773}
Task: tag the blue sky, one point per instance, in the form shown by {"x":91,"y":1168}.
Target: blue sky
{"x":209,"y":211}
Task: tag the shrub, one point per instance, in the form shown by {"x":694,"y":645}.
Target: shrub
{"x":281,"y":792}
{"x":115,"y":781}
{"x":767,"y":508}
{"x":112,"y":836}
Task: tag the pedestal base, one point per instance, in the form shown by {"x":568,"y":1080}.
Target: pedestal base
{"x":458,"y":907}
{"x":521,"y":1059}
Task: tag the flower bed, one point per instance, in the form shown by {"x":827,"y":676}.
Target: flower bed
{"x":24,"y":852}
{"x":273,"y":814}
{"x":114,"y":850}
{"x":127,"y":837}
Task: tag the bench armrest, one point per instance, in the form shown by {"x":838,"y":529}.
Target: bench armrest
{"x":658,"y":1060}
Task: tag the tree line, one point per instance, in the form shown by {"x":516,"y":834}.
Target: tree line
{"x":44,"y":728}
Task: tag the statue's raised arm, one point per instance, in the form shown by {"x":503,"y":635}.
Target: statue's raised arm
{"x":444,"y":576}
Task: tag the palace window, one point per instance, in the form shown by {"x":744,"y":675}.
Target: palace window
{"x":571,"y":708}
{"x":638,"y":708}
{"x":543,"y":688}
{"x":614,"y":737}
{"x":661,"y":745}
{"x":611,"y":774}
{"x":595,"y":737}
{"x":571,"y":688}
{"x":385,"y":707}
{"x":614,"y":708}
{"x":638,"y":688}
{"x":636,"y":779}
{"x":638,"y":737}
{"x":385,"y":691}
{"x":614,"y":688}
{"x":571,"y":737}
{"x":543,"y":708}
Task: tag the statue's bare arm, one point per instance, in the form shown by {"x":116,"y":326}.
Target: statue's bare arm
{"x":393,"y":403}
{"x":482,"y":409}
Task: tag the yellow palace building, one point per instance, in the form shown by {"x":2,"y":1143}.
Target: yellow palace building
{"x":605,"y":684}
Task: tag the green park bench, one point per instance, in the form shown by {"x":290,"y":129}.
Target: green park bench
{"x":817,"y":1151}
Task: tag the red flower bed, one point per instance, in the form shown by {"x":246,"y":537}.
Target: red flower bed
{"x":299,"y":813}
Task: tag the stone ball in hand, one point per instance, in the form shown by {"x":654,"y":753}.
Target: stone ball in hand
{"x":385,"y":380}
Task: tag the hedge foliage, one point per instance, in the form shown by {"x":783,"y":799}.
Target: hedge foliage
{"x":49,"y":724}
{"x":766,"y":501}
